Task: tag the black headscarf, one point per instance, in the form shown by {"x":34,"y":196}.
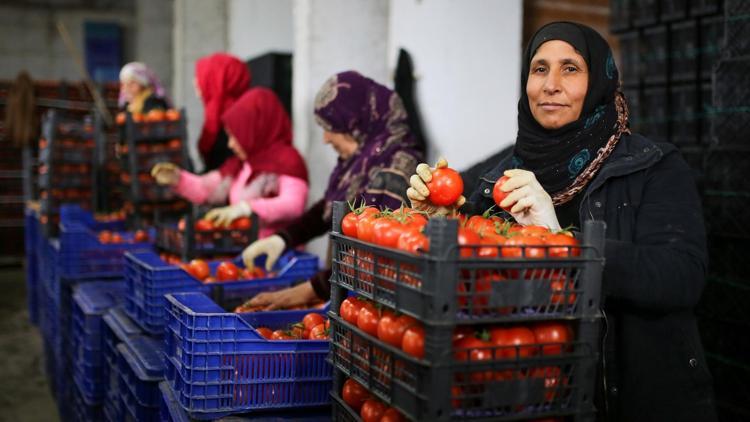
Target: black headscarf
{"x":559,"y":156}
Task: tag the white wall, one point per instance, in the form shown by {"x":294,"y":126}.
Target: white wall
{"x":259,"y":26}
{"x":153,"y":37}
{"x":467,"y":58}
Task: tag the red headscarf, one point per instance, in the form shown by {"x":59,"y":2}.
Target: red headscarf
{"x":262,"y":128}
{"x":222,"y":79}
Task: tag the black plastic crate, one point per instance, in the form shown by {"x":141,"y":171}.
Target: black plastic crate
{"x":674,"y":10}
{"x":706,"y":110}
{"x":188,"y":242}
{"x":705,"y":7}
{"x":684,"y":51}
{"x":727,"y":169}
{"x":512,"y":382}
{"x":655,"y":58}
{"x":737,"y":28}
{"x":711,"y":43}
{"x":437,"y":286}
{"x":630,"y":57}
{"x":727,"y":213}
{"x":727,"y":258}
{"x":684,"y":120}
{"x":645,"y":12}
{"x":654,"y":121}
{"x":731,"y":384}
{"x":620,"y":15}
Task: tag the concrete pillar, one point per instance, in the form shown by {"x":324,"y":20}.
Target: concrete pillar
{"x":332,"y":36}
{"x":153,"y":37}
{"x":200,"y":28}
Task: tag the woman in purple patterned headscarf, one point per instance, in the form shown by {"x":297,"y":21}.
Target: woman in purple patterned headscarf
{"x":140,"y":89}
{"x":367,"y":125}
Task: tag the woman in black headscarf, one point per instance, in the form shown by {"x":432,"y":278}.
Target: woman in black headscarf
{"x":574,"y":160}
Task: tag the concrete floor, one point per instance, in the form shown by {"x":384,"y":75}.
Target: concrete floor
{"x":24,"y":392}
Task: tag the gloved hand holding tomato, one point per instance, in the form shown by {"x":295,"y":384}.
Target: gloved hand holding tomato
{"x":438,"y":190}
{"x":519,"y":193}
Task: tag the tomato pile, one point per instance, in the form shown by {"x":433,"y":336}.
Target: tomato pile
{"x":369,"y":408}
{"x":109,"y":217}
{"x":203,"y":225}
{"x":226,"y":271}
{"x":106,"y":236}
{"x":158,"y":115}
{"x":312,"y":327}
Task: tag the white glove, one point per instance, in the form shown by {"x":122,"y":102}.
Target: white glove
{"x":418,"y":192}
{"x":271,"y":246}
{"x":166,"y":173}
{"x":532,"y":205}
{"x":223,"y":216}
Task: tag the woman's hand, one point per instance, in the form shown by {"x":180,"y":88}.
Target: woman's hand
{"x":271,"y":246}
{"x":418,"y":193}
{"x":300,"y":294}
{"x":531,"y":204}
{"x":223,"y":216}
{"x":166,"y":173}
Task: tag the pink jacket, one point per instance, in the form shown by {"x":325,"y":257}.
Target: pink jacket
{"x":274,"y":199}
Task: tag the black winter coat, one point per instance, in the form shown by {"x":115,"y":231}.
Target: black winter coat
{"x":654,"y":367}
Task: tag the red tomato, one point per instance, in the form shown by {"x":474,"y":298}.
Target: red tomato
{"x":462,"y":332}
{"x":521,"y":337}
{"x":105,"y":236}
{"x":155,"y":115}
{"x":265,"y":332}
{"x":479,"y":295}
{"x":242,"y":223}
{"x":116,"y":238}
{"x":319,"y":332}
{"x":349,"y":309}
{"x":467,"y":237}
{"x":299,"y":331}
{"x":445,"y":187}
{"x":368,"y":318}
{"x":552,"y":377}
{"x":174,"y":144}
{"x":365,"y":229}
{"x":527,"y":252}
{"x":227,"y":271}
{"x":204,"y":225}
{"x":209,"y":280}
{"x":473,"y":349}
{"x":498,"y":195}
{"x":372,"y":410}
{"x":392,"y":415}
{"x":349,"y":224}
{"x":391,"y":328}
{"x":386,"y":232}
{"x":413,"y":341}
{"x":562,"y":245}
{"x":555,"y":334}
{"x":172,"y":115}
{"x":312,"y":319}
{"x":140,"y":236}
{"x":413,"y":241}
{"x":199,"y":269}
{"x":560,"y":290}
{"x":354,"y":394}
{"x":492,"y":240}
{"x":534,"y":231}
{"x":281,"y":335}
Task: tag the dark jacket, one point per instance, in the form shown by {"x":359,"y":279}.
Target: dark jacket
{"x":656,"y":260}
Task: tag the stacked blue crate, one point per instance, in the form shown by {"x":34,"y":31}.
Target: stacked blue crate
{"x":141,"y":368}
{"x":117,"y":328}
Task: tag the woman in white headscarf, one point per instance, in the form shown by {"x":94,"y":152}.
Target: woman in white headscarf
{"x":140,"y":89}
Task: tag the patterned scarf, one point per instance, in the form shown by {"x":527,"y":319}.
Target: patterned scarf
{"x":375,"y":116}
{"x":564,"y":160}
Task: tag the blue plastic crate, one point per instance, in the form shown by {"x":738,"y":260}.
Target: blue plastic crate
{"x":84,"y":410}
{"x":91,"y":300}
{"x":149,"y":278}
{"x":117,"y":328}
{"x":73,"y":213}
{"x":141,"y":368}
{"x":218,"y":364}
{"x":31,"y":232}
{"x":82,"y":255}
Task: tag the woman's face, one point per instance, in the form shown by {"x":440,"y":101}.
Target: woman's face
{"x":345,"y":145}
{"x":235,"y":146}
{"x":557,"y":84}
{"x":131,"y":88}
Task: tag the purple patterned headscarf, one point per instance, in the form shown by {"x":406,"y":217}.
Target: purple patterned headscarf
{"x":145,"y":77}
{"x":387,"y":156}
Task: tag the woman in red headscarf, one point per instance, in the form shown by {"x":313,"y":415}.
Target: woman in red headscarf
{"x":266,"y":177}
{"x":220,"y":79}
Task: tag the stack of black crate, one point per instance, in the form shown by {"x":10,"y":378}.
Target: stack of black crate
{"x":684,"y":66}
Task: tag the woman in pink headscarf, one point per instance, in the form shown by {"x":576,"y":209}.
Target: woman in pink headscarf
{"x":220,"y":79}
